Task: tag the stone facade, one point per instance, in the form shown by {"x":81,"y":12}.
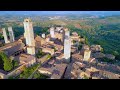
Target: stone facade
{"x":29,"y":36}
{"x":11,"y":34}
{"x":96,"y":48}
{"x":48,"y":50}
{"x":5,"y":36}
{"x":87,"y":54}
{"x":67,"y":46}
{"x":52,"y":32}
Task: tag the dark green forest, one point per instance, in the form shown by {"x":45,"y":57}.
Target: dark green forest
{"x":106,"y":34}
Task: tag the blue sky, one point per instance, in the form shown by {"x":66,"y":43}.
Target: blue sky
{"x":59,"y":12}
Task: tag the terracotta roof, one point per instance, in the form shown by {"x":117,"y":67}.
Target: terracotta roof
{"x":38,"y":38}
{"x":77,"y":56}
{"x":46,"y":71}
{"x":58,"y":71}
{"x":60,"y":56}
{"x":12,"y":48}
{"x":26,"y":58}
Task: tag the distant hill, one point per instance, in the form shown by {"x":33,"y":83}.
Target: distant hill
{"x":30,"y":13}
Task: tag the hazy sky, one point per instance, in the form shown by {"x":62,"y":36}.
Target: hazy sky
{"x":59,"y":12}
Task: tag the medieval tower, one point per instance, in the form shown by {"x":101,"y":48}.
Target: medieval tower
{"x":29,"y":36}
{"x":67,"y":45}
{"x":52,"y":33}
{"x":5,"y":35}
{"x":11,"y":34}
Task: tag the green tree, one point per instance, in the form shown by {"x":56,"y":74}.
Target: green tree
{"x":115,"y":53}
{"x":28,"y":71}
{"x":1,"y":37}
{"x":11,"y":77}
{"x":102,"y":50}
{"x":55,"y":49}
{"x":7,"y":62}
{"x":8,"y":65}
{"x":86,"y":41}
{"x":74,"y":41}
{"x":39,"y":54}
{"x":38,"y":75}
{"x":15,"y":63}
{"x":107,"y":60}
{"x":85,"y":77}
{"x":80,"y":46}
{"x":49,"y":56}
{"x":1,"y":63}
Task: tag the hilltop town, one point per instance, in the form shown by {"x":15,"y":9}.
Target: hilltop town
{"x":57,"y":55}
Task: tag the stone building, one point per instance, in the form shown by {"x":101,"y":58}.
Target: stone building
{"x":29,"y":36}
{"x":67,"y":46}
{"x":109,"y":75}
{"x":48,"y":50}
{"x":98,"y":55}
{"x":28,"y":60}
{"x":5,"y":36}
{"x":58,"y":71}
{"x":11,"y":34}
{"x":39,"y":41}
{"x":77,"y":57}
{"x":43,"y":35}
{"x":96,"y":48}
{"x":3,"y":74}
{"x":87,"y":54}
{"x":59,"y":36}
{"x":85,"y":47}
{"x":52,"y":32}
{"x":14,"y":49}
{"x":74,"y":33}
{"x":45,"y":71}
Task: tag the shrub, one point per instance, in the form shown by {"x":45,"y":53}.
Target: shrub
{"x":38,"y":75}
{"x":49,"y":56}
{"x":107,"y":60}
{"x":28,"y":71}
{"x":15,"y":63}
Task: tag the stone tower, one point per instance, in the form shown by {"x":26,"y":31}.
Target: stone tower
{"x":11,"y":34}
{"x":43,"y":35}
{"x":52,"y":33}
{"x":29,"y":36}
{"x":87,"y":54}
{"x":5,"y":35}
{"x":67,"y":33}
{"x":63,"y":36}
{"x":67,"y":46}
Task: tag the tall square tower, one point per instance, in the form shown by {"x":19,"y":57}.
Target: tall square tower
{"x":11,"y":34}
{"x":29,"y":36}
{"x":87,"y":54}
{"x":67,"y":46}
{"x":52,"y":32}
{"x":5,"y":35}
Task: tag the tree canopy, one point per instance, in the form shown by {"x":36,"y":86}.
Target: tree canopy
{"x":7,"y":62}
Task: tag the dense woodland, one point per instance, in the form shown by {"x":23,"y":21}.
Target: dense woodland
{"x":103,"y":30}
